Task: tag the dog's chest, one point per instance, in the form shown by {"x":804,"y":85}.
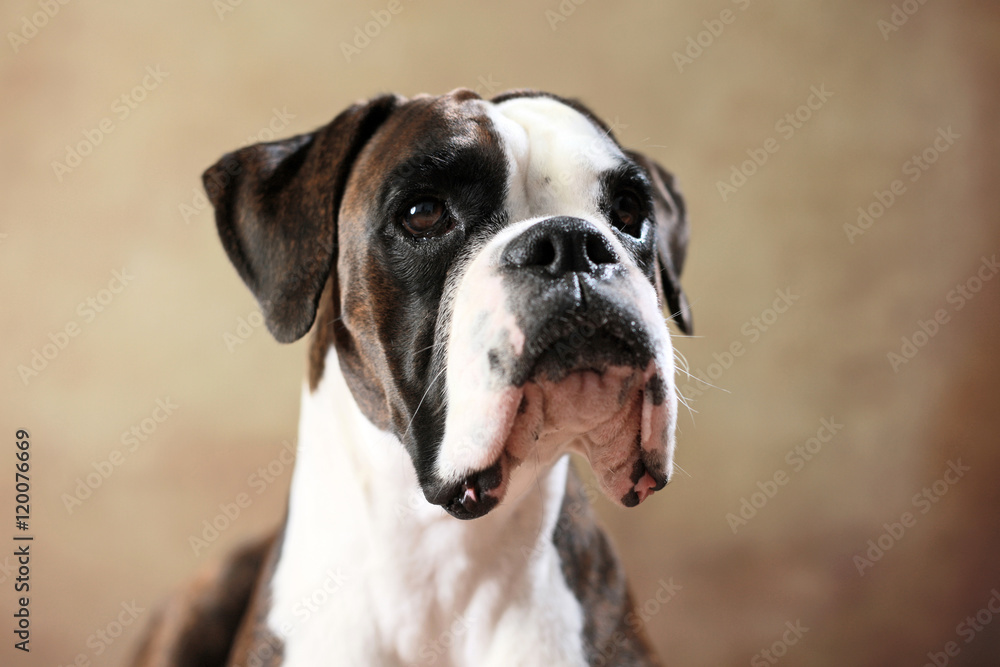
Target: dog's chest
{"x":422,"y":616}
{"x":371,"y":574}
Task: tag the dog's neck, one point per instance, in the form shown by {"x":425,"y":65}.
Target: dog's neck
{"x":371,"y":572}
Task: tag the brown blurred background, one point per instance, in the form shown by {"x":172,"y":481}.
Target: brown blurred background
{"x":228,"y":71}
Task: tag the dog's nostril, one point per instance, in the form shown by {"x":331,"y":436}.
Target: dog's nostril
{"x":542,"y":253}
{"x":598,"y":251}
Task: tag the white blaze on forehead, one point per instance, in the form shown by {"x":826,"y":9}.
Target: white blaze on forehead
{"x":555,"y":156}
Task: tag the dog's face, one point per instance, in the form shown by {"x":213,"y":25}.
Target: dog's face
{"x":491,"y":275}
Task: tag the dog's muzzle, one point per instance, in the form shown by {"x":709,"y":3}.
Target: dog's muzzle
{"x":576,"y":357}
{"x":563,"y":272}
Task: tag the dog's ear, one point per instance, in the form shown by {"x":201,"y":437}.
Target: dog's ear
{"x":276,"y":207}
{"x":671,"y":237}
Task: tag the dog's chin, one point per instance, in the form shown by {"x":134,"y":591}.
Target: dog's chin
{"x":617,"y":416}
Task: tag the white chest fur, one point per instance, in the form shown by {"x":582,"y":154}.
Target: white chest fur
{"x":371,"y":574}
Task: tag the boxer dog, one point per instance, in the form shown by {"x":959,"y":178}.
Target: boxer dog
{"x":486,"y":282}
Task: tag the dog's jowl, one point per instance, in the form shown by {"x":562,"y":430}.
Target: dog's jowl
{"x":486,"y":283}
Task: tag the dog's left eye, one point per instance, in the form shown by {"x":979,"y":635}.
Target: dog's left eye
{"x":626,"y":212}
{"x":425,"y":217}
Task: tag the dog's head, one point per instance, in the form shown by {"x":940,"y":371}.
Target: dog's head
{"x":491,"y":275}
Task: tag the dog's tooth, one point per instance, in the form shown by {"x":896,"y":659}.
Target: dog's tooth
{"x":470,"y":494}
{"x":645,"y":486}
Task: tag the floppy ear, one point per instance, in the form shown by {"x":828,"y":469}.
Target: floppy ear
{"x":276,"y":206}
{"x":671,"y":237}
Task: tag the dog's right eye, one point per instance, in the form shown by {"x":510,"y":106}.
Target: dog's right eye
{"x":425,"y":217}
{"x":626,"y":212}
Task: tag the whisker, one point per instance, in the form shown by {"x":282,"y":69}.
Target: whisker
{"x":421,"y":402}
{"x":678,"y":467}
{"x":690,"y":307}
{"x":683,"y":400}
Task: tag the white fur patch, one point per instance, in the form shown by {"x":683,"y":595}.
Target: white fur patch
{"x":371,"y":574}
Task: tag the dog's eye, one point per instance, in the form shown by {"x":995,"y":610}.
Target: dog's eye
{"x":626,"y":212}
{"x":425,"y":217}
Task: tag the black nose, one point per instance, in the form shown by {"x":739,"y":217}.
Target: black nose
{"x":558,"y":246}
